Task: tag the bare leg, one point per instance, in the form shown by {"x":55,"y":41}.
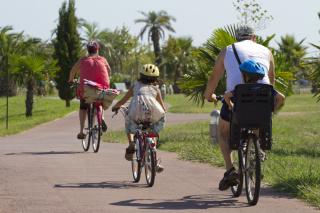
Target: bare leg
{"x":223,"y":131}
{"x":130,"y":137}
{"x":82,"y":118}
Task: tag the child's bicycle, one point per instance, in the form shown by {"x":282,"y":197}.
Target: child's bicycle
{"x":146,"y":153}
{"x":250,"y":135}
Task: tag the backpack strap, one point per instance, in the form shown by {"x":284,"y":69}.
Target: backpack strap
{"x":235,"y":53}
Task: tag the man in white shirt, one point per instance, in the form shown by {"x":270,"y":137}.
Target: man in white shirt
{"x":246,"y":48}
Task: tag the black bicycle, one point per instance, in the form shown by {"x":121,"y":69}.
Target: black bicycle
{"x":250,"y":136}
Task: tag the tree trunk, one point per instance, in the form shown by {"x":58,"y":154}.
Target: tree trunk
{"x":67,"y":103}
{"x":29,"y":98}
{"x":156,"y":47}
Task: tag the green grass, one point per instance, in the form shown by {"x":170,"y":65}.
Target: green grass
{"x":44,"y":110}
{"x":291,"y":166}
{"x":294,"y":103}
{"x":181,"y":104}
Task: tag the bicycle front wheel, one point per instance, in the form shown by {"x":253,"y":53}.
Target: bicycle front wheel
{"x":150,"y":165}
{"x":136,"y":163}
{"x":239,"y":159}
{"x":252,"y":171}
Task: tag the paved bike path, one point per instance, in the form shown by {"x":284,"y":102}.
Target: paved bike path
{"x":45,"y":170}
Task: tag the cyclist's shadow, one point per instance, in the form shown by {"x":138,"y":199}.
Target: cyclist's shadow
{"x":104,"y":184}
{"x":204,"y":201}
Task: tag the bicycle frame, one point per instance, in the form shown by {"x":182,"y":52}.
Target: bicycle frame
{"x":144,"y":139}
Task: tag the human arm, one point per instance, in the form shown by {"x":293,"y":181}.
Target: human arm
{"x":74,"y":71}
{"x":123,"y":100}
{"x":159,"y":99}
{"x":227,"y":98}
{"x":279,"y":101}
{"x":108,"y":67}
{"x":216,"y":75}
{"x":271,"y":72}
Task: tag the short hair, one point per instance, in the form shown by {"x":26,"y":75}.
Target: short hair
{"x":244,"y":32}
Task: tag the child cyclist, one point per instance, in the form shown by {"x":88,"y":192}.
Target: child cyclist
{"x":145,"y":94}
{"x":253,"y":71}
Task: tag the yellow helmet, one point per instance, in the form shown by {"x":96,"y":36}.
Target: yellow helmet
{"x":150,"y":70}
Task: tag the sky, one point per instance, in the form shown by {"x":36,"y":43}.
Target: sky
{"x":196,"y":19}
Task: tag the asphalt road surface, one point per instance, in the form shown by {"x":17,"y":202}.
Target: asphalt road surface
{"x":46,"y":170}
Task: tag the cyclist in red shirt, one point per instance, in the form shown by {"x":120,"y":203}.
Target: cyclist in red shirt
{"x":94,"y":68}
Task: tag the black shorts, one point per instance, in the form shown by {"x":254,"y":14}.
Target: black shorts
{"x":83,"y":104}
{"x":225,"y":113}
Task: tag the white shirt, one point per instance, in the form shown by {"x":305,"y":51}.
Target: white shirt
{"x":246,"y":49}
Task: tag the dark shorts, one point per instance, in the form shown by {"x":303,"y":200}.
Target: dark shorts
{"x":83,"y":104}
{"x":225,"y":113}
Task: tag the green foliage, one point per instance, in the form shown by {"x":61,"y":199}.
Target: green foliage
{"x":194,"y":82}
{"x":177,"y":58}
{"x":67,"y":48}
{"x":315,"y":75}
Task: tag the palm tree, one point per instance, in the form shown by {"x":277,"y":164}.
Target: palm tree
{"x":9,"y":45}
{"x":156,"y":23}
{"x":177,"y":58}
{"x":315,"y":75}
{"x":28,"y":69}
{"x":294,"y":52}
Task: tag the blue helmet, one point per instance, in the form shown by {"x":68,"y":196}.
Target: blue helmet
{"x":252,"y":67}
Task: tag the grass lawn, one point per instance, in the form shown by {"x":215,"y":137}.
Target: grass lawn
{"x":181,"y":104}
{"x":44,"y":110}
{"x":291,"y":166}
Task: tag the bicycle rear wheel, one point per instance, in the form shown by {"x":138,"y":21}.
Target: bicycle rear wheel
{"x":96,"y":130}
{"x":136,"y":163}
{"x":86,"y":141}
{"x":150,"y":165}
{"x":252,"y":171}
{"x":239,"y":159}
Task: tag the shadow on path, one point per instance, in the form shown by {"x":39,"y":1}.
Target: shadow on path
{"x":46,"y":153}
{"x":204,"y":201}
{"x":105,"y":184}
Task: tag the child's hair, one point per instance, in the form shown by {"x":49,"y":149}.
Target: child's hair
{"x":148,"y":79}
{"x":250,"y":78}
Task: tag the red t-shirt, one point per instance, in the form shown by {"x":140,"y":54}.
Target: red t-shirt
{"x":94,"y":68}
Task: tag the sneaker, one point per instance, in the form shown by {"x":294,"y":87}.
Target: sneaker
{"x":159,"y":167}
{"x":104,"y":126}
{"x":230,"y":178}
{"x":130,"y":150}
{"x":81,"y":136}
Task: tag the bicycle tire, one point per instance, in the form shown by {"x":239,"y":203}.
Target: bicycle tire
{"x":136,"y":164}
{"x":150,"y":165}
{"x":237,"y":189}
{"x":86,"y":141}
{"x":252,"y":170}
{"x":96,"y":138}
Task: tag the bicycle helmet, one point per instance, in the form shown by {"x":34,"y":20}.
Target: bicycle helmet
{"x":150,"y":70}
{"x":93,"y":46}
{"x":253,"y":68}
